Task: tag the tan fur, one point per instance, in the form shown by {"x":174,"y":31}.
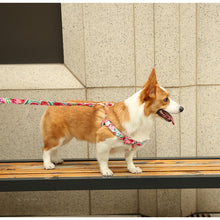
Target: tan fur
{"x":81,"y":122}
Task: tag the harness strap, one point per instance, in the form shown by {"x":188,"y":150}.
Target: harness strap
{"x":105,"y":108}
{"x":120,"y":135}
{"x":126,"y":140}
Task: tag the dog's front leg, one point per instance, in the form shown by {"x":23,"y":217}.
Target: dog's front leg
{"x":102,"y":153}
{"x":130,"y":164}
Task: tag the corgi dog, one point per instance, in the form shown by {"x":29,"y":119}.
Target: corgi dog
{"x":133,"y":117}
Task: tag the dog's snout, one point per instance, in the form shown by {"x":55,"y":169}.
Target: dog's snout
{"x":181,"y":108}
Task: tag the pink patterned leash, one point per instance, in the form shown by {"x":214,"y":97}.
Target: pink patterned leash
{"x":126,"y":140}
{"x":48,"y":103}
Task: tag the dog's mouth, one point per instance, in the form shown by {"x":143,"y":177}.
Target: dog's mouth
{"x":165,"y":115}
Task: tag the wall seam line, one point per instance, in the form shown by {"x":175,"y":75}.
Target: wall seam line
{"x":135,"y":59}
{"x":85,"y":73}
{"x":154,"y":34}
{"x":196,"y":77}
{"x":110,"y":87}
{"x":155,"y":141}
{"x":196,"y":94}
{"x":14,"y":90}
{"x":180,"y":145}
{"x":84,"y":44}
{"x":168,"y":87}
{"x":135,"y":85}
{"x":86,"y":95}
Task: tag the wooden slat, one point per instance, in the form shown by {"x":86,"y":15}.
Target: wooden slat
{"x":91,"y":168}
{"x":147,"y":162}
{"x":155,"y":162}
{"x":71,"y":170}
{"x":88,"y":175}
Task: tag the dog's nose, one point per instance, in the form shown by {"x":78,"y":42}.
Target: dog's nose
{"x":181,"y":108}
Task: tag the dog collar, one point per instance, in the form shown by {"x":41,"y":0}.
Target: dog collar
{"x":121,"y":136}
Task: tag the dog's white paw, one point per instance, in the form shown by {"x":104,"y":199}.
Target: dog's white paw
{"x":49,"y":166}
{"x":57,"y":161}
{"x":106,"y":172}
{"x":135,"y":169}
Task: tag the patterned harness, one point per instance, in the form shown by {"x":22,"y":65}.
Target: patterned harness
{"x":126,"y":140}
{"x":121,"y":136}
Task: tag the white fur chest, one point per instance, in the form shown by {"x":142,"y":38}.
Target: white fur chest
{"x":139,"y":126}
{"x":140,"y":131}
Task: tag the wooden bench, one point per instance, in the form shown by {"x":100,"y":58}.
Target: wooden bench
{"x":157,"y":173}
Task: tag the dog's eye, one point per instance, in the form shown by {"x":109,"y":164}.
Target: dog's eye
{"x":166,"y":99}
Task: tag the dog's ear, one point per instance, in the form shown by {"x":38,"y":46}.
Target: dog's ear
{"x":149,"y":91}
{"x":152,"y":79}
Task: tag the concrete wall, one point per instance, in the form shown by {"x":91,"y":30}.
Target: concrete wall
{"x":109,"y":51}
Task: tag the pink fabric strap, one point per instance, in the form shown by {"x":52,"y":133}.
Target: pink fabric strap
{"x":120,"y":135}
{"x":48,"y":103}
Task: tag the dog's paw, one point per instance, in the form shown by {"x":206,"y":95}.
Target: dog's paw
{"x":135,"y":169}
{"x":57,"y":161}
{"x":106,"y":172}
{"x":49,"y":166}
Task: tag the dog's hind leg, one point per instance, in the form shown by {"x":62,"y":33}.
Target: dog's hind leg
{"x":47,"y":154}
{"x":55,"y":157}
{"x":50,"y":152}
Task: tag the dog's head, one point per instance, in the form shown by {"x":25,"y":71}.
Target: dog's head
{"x":157,"y":100}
